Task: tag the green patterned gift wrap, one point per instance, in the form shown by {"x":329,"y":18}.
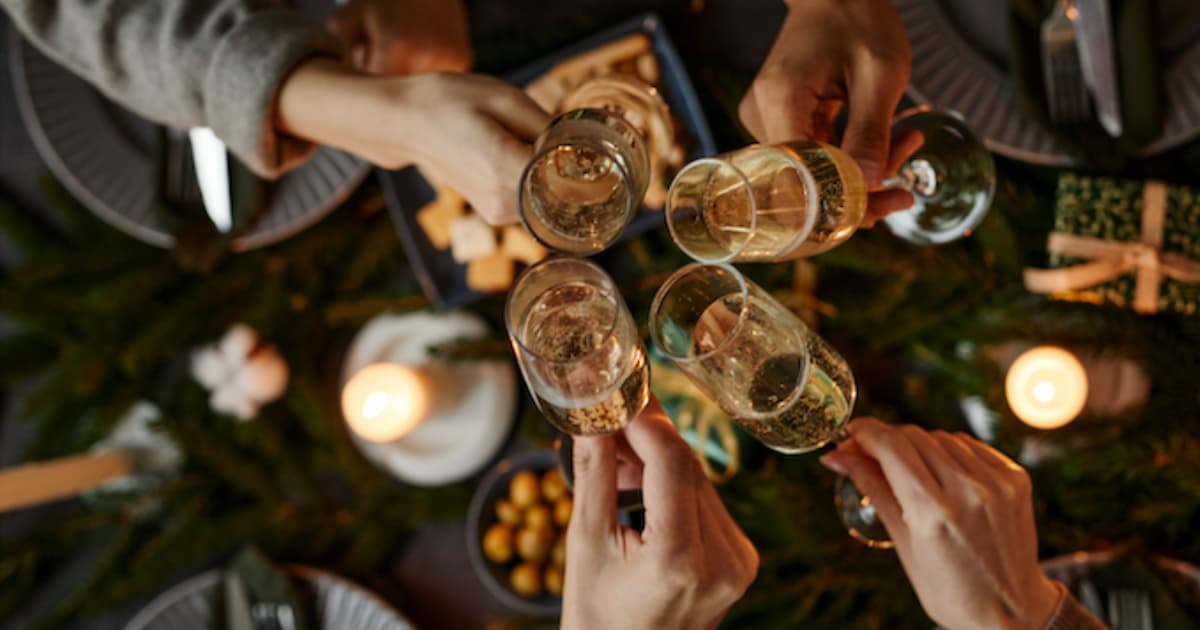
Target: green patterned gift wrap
{"x":1105,"y":244}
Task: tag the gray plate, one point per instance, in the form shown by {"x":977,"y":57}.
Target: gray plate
{"x":958,"y":49}
{"x":339,"y":604}
{"x":105,"y":156}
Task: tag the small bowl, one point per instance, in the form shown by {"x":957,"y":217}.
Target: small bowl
{"x":482,"y":515}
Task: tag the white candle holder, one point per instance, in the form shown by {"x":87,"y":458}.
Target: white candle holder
{"x":471,"y":404}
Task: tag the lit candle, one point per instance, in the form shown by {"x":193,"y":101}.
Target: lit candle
{"x":385,"y":401}
{"x":1046,"y":387}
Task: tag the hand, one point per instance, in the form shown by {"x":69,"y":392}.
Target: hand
{"x":688,"y":566}
{"x":472,"y":133}
{"x":829,"y":52}
{"x":961,"y":516}
{"x":402,"y":37}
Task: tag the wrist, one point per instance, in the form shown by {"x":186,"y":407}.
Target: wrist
{"x":330,"y":103}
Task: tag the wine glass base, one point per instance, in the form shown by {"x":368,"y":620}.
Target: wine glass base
{"x":859,"y":517}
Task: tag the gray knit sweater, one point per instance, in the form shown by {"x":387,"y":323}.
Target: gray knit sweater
{"x":185,"y":63}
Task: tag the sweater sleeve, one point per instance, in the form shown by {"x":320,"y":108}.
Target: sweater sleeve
{"x":1071,"y":615}
{"x":186,"y":63}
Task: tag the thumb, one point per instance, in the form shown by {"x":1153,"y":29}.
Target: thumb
{"x":595,"y":464}
{"x":873,"y":97}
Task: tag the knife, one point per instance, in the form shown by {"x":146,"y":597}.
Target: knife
{"x":1098,"y":62}
{"x":212,"y":173}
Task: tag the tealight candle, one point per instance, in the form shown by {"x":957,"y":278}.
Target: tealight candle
{"x":385,"y":401}
{"x":1046,"y":387}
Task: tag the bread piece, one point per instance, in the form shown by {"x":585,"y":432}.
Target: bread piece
{"x":598,"y":60}
{"x":491,"y":273}
{"x":517,"y":243}
{"x":471,"y":238}
{"x":435,"y":219}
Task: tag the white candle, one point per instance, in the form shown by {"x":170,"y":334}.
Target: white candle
{"x":1046,"y":387}
{"x":385,"y":401}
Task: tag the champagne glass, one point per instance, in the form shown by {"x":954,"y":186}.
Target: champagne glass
{"x":799,"y":199}
{"x":577,"y":346}
{"x":753,"y":357}
{"x":951,"y":177}
{"x":756,"y":360}
{"x":592,"y":165}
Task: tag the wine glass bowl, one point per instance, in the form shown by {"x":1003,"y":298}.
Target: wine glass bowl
{"x":577,"y":346}
{"x":951,"y":177}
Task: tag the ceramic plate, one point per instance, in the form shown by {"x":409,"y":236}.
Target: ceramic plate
{"x":339,"y":604}
{"x":959,"y":49}
{"x":105,"y":156}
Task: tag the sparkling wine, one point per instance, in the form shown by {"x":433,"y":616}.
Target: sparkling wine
{"x":575,"y":321}
{"x":811,"y":420}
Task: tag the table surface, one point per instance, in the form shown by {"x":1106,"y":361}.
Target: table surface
{"x":433,"y":569}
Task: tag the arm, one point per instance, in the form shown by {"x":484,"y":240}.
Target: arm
{"x":185,"y":63}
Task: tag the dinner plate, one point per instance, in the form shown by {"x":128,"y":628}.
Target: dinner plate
{"x":105,"y":156}
{"x":444,"y":280}
{"x":340,"y":603}
{"x":959,"y":63}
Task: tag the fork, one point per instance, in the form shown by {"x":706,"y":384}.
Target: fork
{"x":273,"y":616}
{"x":1130,"y":610}
{"x":1066,"y":90}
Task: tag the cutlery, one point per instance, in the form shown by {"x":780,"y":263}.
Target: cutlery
{"x":1099,"y":65}
{"x":1066,"y":89}
{"x":273,"y":616}
{"x":1090,"y":596}
{"x":212,"y":173}
{"x":1130,"y":610}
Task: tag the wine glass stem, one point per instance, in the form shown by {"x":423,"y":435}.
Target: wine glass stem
{"x":918,"y":177}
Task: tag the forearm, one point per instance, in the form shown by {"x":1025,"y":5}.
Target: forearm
{"x":184,"y":63}
{"x":332,"y":104}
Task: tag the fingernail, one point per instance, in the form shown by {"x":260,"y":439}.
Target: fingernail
{"x":834,"y":463}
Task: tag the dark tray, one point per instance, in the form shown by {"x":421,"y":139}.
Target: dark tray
{"x":443,"y":279}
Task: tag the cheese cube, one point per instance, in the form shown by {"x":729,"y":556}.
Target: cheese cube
{"x":471,"y":238}
{"x":435,"y":219}
{"x":517,"y":243}
{"x":490,"y":273}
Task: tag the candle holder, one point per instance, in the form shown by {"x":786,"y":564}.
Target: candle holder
{"x":426,"y":422}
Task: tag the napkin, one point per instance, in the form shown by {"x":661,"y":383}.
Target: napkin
{"x":249,"y":579}
{"x":1138,"y":79}
{"x":1132,"y":571}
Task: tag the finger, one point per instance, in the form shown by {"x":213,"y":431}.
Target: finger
{"x":595,"y":467}
{"x":989,"y":455}
{"x":780,"y":109}
{"x":670,"y":480}
{"x":884,"y":202}
{"x":905,"y":470}
{"x":874,"y":93}
{"x":869,"y":478}
{"x":518,"y":113}
{"x":903,"y":146}
{"x":943,"y":467}
{"x":347,"y":25}
{"x":967,"y":460}
{"x":629,"y":465}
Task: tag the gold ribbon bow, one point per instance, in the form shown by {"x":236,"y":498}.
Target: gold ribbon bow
{"x":1112,"y":259}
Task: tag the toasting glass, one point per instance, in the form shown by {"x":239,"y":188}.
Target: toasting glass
{"x":591,"y":167}
{"x":799,"y":199}
{"x":753,"y":357}
{"x":577,"y":346}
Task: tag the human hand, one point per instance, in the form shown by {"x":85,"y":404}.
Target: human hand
{"x":471,"y":132}
{"x":961,"y":517}
{"x":684,"y":570}
{"x":402,"y":37}
{"x":827,"y":53}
